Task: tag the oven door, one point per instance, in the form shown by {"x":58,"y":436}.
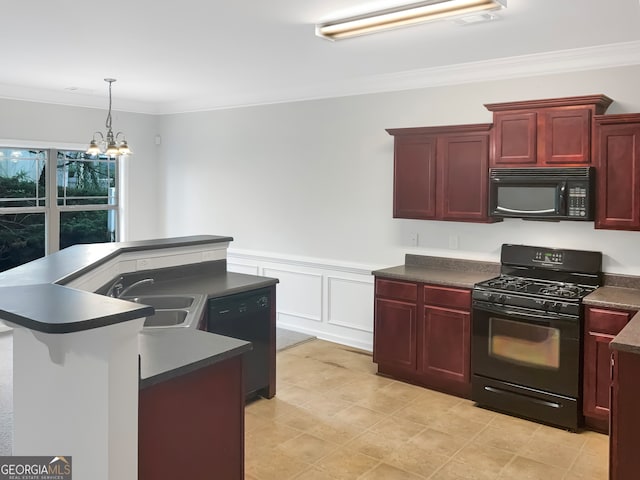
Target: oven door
{"x":535,"y":349}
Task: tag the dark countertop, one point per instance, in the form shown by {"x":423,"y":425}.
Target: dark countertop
{"x":33,"y":295}
{"x":43,"y":279}
{"x":53,"y":308}
{"x":620,"y":298}
{"x":72,"y":262}
{"x":628,"y":340}
{"x":441,"y":271}
{"x":160,"y":360}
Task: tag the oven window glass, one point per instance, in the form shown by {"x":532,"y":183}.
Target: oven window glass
{"x":527,"y":199}
{"x":524,"y":343}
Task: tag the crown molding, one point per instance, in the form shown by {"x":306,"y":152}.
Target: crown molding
{"x":562,"y":61}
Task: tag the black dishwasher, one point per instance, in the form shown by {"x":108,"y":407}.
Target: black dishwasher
{"x":249,"y":316}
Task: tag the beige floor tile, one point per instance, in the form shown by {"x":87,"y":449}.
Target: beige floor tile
{"x":415,"y":459}
{"x":372,"y":444}
{"x":314,"y":473}
{"x":454,"y":470}
{"x":549,"y":453}
{"x":522,"y":468}
{"x":590,"y":465}
{"x":556,"y":436}
{"x":271,"y":409}
{"x":359,"y":416}
{"x":307,"y":448}
{"x":396,"y":429}
{"x":435,"y":441}
{"x":402,"y":391}
{"x":334,"y":419}
{"x":467,"y":409}
{"x":484,"y":458}
{"x":273,"y":465}
{"x":510,"y":437}
{"x":452,"y":423}
{"x":596,"y":444}
{"x":294,"y":395}
{"x":388,"y":472}
{"x":417,"y":413}
{"x":333,"y":430}
{"x":346,"y":464}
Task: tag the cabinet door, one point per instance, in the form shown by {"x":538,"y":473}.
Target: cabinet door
{"x":565,"y":136}
{"x":394,"y":335}
{"x":601,"y":325}
{"x":515,"y":139}
{"x":444,"y":345}
{"x":463,"y":171}
{"x":624,"y":461}
{"x":618,"y":148}
{"x":414,"y":187}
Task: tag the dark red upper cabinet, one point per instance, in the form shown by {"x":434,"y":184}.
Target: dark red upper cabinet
{"x":551,"y":132}
{"x":617,"y":149}
{"x":414,"y":177}
{"x":441,"y":173}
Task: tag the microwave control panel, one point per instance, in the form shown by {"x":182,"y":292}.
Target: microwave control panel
{"x":577,"y":205}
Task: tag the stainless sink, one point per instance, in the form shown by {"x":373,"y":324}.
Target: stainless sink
{"x":172,"y":310}
{"x":160,"y":302}
{"x":166,"y":318}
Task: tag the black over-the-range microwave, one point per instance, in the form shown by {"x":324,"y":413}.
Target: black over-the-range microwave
{"x":554,"y":193}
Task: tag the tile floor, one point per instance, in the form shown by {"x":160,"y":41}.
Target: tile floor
{"x":334,"y":419}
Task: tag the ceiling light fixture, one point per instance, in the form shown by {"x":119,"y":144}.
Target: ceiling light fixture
{"x":404,"y":16}
{"x":108,"y":143}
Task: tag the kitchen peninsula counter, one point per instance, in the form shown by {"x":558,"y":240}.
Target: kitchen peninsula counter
{"x":91,"y":346}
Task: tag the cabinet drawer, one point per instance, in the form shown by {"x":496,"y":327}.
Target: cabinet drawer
{"x":606,"y":321}
{"x":399,"y":290}
{"x":456,"y":298}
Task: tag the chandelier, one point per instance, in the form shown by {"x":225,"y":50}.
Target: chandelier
{"x":108,"y":144}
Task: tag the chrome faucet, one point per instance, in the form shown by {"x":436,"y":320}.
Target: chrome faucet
{"x":118,"y":290}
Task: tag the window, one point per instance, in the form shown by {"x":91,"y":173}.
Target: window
{"x":51,"y":199}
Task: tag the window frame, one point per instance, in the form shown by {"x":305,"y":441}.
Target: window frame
{"x":52,"y":210}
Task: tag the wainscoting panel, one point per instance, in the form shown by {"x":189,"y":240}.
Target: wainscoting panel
{"x":299,"y":293}
{"x":350,"y":302}
{"x":325,"y":298}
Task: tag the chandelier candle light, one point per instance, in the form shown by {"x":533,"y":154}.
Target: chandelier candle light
{"x":107,"y":144}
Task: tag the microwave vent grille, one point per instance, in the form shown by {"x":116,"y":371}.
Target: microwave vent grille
{"x":541,"y":172}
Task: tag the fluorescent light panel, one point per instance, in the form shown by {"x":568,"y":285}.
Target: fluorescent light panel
{"x":404,"y":16}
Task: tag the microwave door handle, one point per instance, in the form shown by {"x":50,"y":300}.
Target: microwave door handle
{"x":563,"y":196}
{"x":511,"y":210}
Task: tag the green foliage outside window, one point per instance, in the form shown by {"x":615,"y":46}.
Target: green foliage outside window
{"x":22,"y":235}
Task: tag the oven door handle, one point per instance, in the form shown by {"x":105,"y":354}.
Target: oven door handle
{"x":537,"y":317}
{"x":499,"y":391}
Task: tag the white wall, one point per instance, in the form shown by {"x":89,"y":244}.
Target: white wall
{"x":55,"y":125}
{"x":314,"y":178}
{"x":305,"y":189}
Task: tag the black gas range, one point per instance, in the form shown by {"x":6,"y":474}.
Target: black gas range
{"x":527,"y":333}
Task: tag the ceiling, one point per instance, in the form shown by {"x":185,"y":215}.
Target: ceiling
{"x":196,"y":55}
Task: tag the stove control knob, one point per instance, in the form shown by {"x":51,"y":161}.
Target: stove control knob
{"x":501,"y":298}
{"x":490,"y":297}
{"x":554,"y":306}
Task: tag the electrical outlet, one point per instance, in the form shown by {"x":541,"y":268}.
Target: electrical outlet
{"x":413,"y":239}
{"x":453,"y":242}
